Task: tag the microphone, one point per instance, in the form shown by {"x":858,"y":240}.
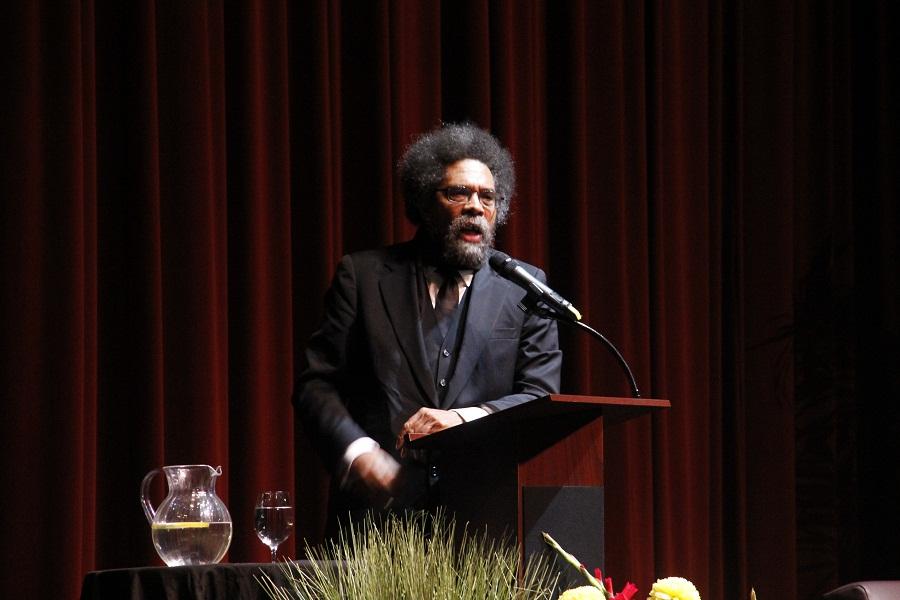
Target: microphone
{"x":508,"y":268}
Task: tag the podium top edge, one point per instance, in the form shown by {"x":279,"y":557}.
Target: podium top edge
{"x":606,"y":400}
{"x":614,"y":409}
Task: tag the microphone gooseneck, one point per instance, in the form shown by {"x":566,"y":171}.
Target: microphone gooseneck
{"x":541,"y":300}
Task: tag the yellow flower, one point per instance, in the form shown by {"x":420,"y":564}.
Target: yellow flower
{"x":586,"y":592}
{"x":673,"y":588}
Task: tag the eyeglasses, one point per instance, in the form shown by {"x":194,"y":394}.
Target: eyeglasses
{"x":460,"y":194}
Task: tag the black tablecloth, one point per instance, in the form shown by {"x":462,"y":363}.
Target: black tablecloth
{"x":206,"y":582}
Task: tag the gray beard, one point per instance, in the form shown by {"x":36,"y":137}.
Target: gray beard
{"x":460,"y":253}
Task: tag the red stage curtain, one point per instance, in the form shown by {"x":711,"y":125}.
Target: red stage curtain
{"x":713,"y":183}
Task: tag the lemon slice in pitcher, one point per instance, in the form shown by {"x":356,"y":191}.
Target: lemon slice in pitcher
{"x":181,"y":525}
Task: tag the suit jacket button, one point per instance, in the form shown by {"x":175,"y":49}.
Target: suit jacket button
{"x":445,"y":352}
{"x":443,"y":383}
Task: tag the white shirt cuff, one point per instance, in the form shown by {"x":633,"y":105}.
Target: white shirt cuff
{"x":356,"y":449}
{"x":470,"y":413}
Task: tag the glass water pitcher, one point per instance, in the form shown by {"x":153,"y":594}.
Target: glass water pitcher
{"x":191,"y":526}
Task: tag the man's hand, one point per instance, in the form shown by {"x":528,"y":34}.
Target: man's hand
{"x":375,"y":475}
{"x":428,"y":420}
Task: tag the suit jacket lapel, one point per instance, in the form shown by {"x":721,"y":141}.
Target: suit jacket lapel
{"x":398,"y":291}
{"x":485,"y":304}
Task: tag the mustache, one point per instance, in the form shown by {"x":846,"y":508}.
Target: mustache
{"x":469,"y":223}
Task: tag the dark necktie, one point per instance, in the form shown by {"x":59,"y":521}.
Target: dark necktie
{"x":447,"y":299}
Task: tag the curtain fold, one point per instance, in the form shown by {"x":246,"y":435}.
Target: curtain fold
{"x":712,"y":184}
{"x":260,"y":261}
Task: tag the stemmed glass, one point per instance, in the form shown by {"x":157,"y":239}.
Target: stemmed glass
{"x":274,"y":518}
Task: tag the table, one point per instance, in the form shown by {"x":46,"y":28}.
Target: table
{"x":203,"y":582}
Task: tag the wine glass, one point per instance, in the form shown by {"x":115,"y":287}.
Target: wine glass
{"x":274,"y":518}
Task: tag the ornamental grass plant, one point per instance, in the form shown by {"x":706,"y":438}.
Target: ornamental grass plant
{"x":415,"y":557}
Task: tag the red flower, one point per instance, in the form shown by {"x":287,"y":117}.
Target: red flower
{"x":627,"y":592}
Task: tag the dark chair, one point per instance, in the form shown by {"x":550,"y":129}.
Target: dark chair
{"x":866,"y":590}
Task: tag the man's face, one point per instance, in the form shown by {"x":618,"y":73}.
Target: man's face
{"x":464,"y":229}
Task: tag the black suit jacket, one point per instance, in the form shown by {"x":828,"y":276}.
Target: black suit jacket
{"x":367,"y":371}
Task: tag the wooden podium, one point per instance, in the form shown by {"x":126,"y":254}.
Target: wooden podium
{"x":535,"y":467}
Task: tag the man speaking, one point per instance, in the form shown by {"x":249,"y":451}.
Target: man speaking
{"x":423,"y":335}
